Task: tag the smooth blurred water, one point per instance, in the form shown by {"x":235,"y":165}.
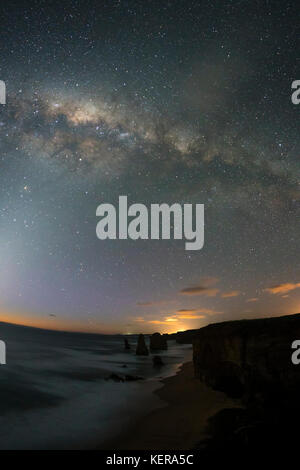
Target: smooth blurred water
{"x":53,"y":392}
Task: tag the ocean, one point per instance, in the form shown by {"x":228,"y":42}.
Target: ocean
{"x":54,"y":392}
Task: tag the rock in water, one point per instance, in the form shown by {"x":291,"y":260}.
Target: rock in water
{"x":158,"y":342}
{"x":126,"y":344}
{"x":115,"y":378}
{"x":157,"y":361}
{"x":132,"y":378}
{"x":141,"y":349}
{"x":128,"y":378}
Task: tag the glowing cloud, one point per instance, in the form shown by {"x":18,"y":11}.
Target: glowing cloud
{"x":196,"y":313}
{"x":283,"y":288}
{"x":233,"y":293}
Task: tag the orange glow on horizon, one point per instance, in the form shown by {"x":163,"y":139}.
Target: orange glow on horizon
{"x":50,"y":323}
{"x":146,"y":327}
{"x":54,"y":323}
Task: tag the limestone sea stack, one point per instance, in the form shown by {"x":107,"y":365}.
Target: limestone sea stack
{"x":158,"y":342}
{"x":141,"y":349}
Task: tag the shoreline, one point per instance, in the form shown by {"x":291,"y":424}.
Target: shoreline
{"x":181,"y":424}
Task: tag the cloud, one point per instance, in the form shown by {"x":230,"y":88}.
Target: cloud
{"x":209,"y":311}
{"x":181,"y":314}
{"x":205,"y":287}
{"x":156,"y":302}
{"x":194,"y":313}
{"x":158,"y":322}
{"x":139,"y":319}
{"x":165,"y":321}
{"x":233,"y":293}
{"x":252,"y":299}
{"x":187,"y":310}
{"x":200,"y":290}
{"x":283,"y":288}
{"x":190,"y":316}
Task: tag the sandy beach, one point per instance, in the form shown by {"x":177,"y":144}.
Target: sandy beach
{"x":181,"y":424}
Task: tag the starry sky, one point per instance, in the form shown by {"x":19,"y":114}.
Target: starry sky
{"x":162,"y":101}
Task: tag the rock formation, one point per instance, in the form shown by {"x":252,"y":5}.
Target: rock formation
{"x":183,"y":337}
{"x":132,"y":378}
{"x":126,"y":344}
{"x":115,"y":378}
{"x":141,"y":349}
{"x":248,"y":358}
{"x":251,"y":360}
{"x":157,"y":361}
{"x":127,"y":378}
{"x":158,"y":342}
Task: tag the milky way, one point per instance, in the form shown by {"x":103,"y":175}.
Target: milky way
{"x":173,"y":102}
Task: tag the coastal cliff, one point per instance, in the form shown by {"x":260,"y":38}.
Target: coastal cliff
{"x":248,"y":358}
{"x":184,"y":337}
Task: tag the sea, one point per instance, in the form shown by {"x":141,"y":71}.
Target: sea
{"x":55,"y":391}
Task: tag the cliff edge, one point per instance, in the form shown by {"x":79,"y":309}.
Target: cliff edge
{"x":249,"y":359}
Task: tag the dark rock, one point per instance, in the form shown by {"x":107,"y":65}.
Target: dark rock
{"x":127,"y":378}
{"x":183,"y":337}
{"x":141,"y":349}
{"x":115,"y":378}
{"x":126,"y":344}
{"x":158,"y":342}
{"x":132,"y":378}
{"x":123,"y":366}
{"x":157,"y":361}
{"x":250,"y":359}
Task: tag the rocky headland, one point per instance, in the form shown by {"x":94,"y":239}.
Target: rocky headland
{"x":250,"y":360}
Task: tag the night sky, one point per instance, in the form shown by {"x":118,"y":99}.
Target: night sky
{"x":168,"y":101}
